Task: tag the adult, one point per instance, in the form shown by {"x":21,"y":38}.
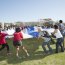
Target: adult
{"x":61,"y":28}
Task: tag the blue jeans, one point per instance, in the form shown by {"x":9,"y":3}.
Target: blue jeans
{"x":48,"y":45}
{"x":63,"y":33}
{"x":59,"y":43}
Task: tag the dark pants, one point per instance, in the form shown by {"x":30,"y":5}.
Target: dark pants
{"x":3,"y":46}
{"x":48,"y":45}
{"x":62,"y":32}
{"x":59,"y":43}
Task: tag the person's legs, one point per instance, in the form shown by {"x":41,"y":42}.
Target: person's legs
{"x":62,"y":49}
{"x":62,"y":32}
{"x":43,"y":46}
{"x":57,"y":46}
{"x":48,"y":45}
{"x":3,"y":46}
{"x":17,"y":51}
{"x":20,"y":43}
{"x":60,"y":43}
{"x":25,"y":50}
{"x":17,"y":46}
{"x":7,"y":46}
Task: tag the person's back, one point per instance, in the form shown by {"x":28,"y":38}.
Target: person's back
{"x":18,"y":36}
{"x":61,"y":27}
{"x":46,"y":37}
{"x":58,"y":34}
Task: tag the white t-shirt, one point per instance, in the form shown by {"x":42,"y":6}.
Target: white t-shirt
{"x":58,"y":34}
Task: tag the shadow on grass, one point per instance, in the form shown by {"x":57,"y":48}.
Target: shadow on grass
{"x":33,"y":56}
{"x":32,"y":46}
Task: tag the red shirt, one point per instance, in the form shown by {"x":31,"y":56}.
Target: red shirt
{"x":17,"y":36}
{"x":2,"y":38}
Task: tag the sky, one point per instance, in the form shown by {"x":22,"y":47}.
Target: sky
{"x":31,"y":10}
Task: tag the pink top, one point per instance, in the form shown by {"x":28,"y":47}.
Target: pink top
{"x":17,"y":36}
{"x":2,"y":38}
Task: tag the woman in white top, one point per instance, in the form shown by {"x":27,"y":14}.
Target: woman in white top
{"x":59,"y":38}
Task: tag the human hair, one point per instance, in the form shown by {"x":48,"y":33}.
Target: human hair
{"x":56,"y":26}
{"x":60,"y":21}
{"x":17,"y":29}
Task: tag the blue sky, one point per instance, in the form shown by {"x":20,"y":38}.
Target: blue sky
{"x":30,"y":10}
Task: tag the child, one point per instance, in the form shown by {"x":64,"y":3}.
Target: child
{"x":17,"y":41}
{"x":3,"y":42}
{"x":47,"y":41}
{"x":59,"y":38}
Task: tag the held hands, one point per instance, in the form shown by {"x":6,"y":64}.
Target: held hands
{"x":53,"y":35}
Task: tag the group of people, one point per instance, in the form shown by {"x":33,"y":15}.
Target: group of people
{"x":17,"y":42}
{"x":18,"y":37}
{"x":58,"y":34}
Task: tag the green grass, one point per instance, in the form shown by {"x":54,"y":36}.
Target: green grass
{"x":37,"y":56}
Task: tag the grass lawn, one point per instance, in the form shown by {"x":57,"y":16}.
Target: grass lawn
{"x":37,"y":56}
